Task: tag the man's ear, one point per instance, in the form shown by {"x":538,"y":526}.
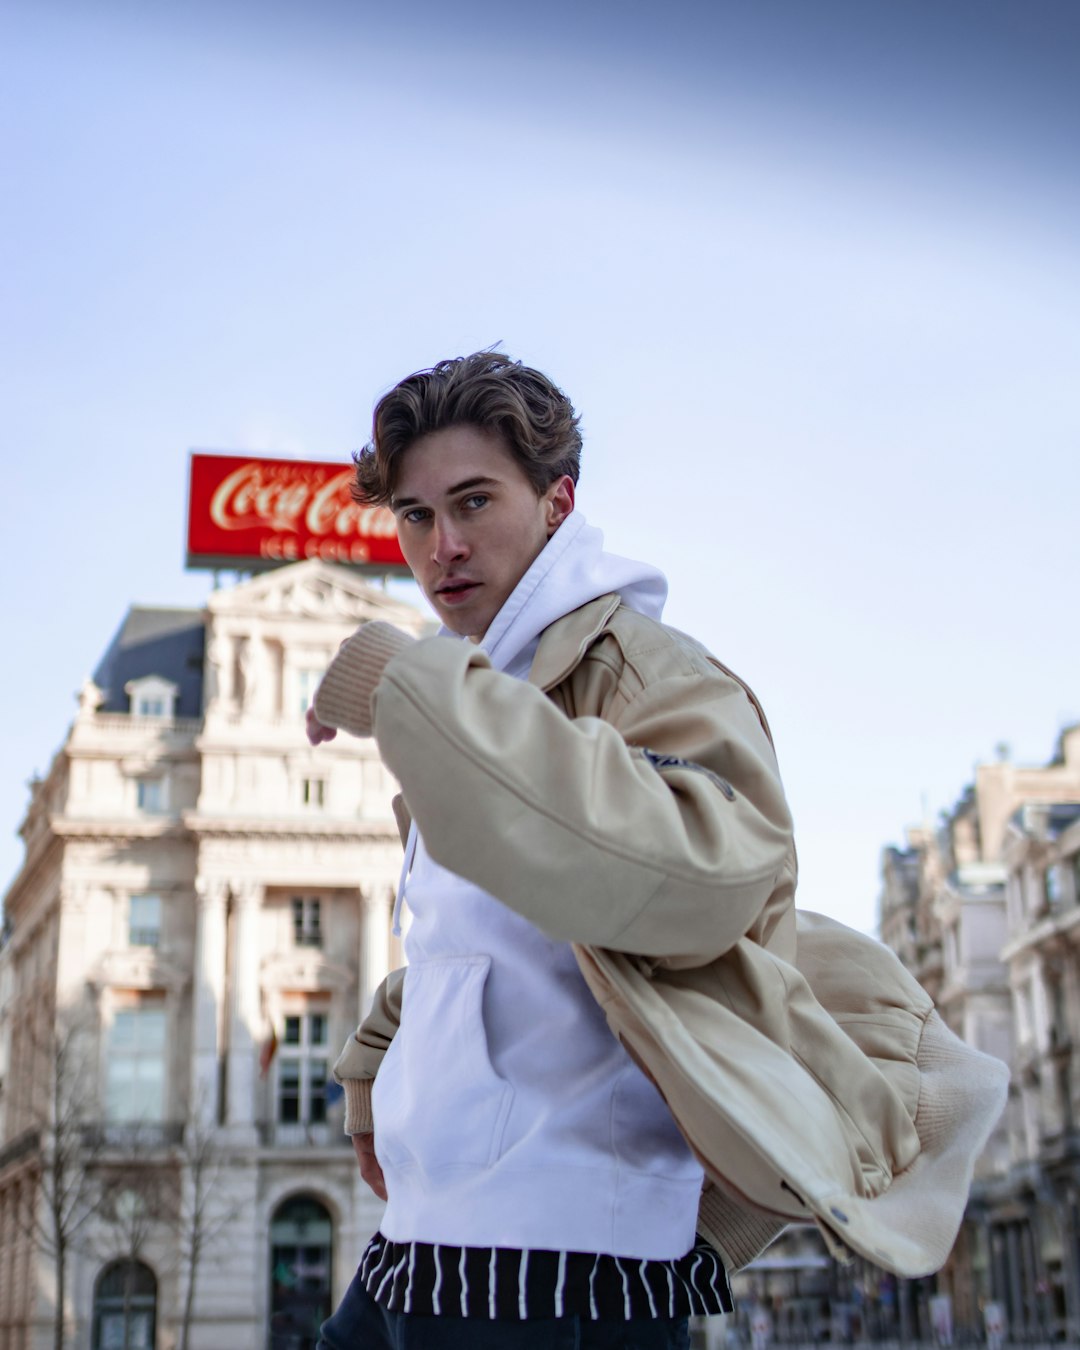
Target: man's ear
{"x":560,"y":502}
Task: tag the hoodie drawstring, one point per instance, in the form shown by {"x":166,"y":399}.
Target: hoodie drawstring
{"x":406,"y":868}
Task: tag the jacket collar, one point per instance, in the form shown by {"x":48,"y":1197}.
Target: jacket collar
{"x":564,"y":643}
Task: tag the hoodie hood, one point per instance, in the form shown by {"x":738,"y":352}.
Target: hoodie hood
{"x":572,"y":569}
{"x":568,"y":572}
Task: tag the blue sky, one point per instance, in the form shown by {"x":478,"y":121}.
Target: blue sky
{"x":809,"y":271}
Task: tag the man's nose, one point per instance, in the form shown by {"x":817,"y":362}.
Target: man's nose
{"x":448,"y":543}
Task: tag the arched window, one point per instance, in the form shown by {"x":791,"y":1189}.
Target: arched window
{"x":125,"y":1307}
{"x":301,"y":1253}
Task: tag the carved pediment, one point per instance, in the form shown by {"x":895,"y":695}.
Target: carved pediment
{"x":305,"y":969}
{"x":315,"y":590}
{"x":137,"y":968}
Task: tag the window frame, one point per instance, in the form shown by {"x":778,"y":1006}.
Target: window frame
{"x":144,"y":930}
{"x":307,"y":921}
{"x":303,"y":1068}
{"x":308,"y":679}
{"x":159,"y":804}
{"x":138,"y":1056}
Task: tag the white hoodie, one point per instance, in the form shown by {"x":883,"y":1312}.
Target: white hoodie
{"x":506,"y":1112}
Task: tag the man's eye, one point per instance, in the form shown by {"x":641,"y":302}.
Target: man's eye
{"x":477,"y":499}
{"x":414,"y":517}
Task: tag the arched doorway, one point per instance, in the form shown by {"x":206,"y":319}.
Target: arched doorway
{"x":125,"y":1307}
{"x":301,"y":1256}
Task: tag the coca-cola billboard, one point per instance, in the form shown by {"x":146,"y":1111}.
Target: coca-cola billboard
{"x":249,"y":512}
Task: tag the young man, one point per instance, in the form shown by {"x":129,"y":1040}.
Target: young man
{"x":601,"y":1045}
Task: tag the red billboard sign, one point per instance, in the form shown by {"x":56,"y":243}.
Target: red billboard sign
{"x":248,"y":512}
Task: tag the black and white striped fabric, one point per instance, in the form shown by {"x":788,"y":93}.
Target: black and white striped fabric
{"x":499,"y":1282}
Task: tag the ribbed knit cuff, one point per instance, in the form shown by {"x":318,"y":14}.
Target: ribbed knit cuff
{"x":343,"y":698}
{"x":358,"y":1117}
{"x":738,"y":1232}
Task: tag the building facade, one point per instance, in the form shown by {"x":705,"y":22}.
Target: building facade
{"x":1033,"y":1217}
{"x":981,"y":911}
{"x":984,"y":909}
{"x":201,"y":918}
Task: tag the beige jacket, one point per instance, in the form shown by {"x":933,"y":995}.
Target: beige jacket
{"x":630,"y":804}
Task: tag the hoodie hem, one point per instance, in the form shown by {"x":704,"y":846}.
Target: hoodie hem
{"x":636,"y":1215}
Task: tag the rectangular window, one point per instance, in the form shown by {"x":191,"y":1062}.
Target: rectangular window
{"x":1052,"y":887}
{"x":289,"y":1073}
{"x":316,"y":1091}
{"x":150,"y":707}
{"x":144,"y":921}
{"x":303,"y":1070}
{"x":307,"y":921}
{"x":150,"y":795}
{"x":313,"y":791}
{"x":307,"y":681}
{"x":135,"y":1068}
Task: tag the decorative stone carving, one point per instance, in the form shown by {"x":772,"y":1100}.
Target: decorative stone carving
{"x":90,"y":698}
{"x":305,"y":969}
{"x":315,"y":590}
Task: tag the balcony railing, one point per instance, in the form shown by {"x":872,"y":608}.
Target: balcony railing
{"x":144,"y":937}
{"x":129,"y":724}
{"x":274,"y":1134}
{"x":132,"y":1137}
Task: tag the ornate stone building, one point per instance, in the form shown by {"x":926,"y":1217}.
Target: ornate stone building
{"x":980,"y":910}
{"x":202,"y":916}
{"x":984,"y":910}
{"x":1034,"y":1215}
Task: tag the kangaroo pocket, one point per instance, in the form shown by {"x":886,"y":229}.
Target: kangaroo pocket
{"x":437,"y":1101}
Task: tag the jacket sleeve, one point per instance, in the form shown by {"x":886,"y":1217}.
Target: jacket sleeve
{"x":359,"y":1062}
{"x":660,"y":833}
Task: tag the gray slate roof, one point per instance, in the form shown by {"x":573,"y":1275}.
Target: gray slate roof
{"x":151,"y":641}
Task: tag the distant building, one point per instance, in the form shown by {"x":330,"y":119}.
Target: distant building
{"x":984,"y":910}
{"x":204,"y":913}
{"x":1034,"y":1217}
{"x":968,"y":909}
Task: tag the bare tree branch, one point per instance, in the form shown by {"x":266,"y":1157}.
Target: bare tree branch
{"x":202,"y":1214}
{"x":66,"y":1192}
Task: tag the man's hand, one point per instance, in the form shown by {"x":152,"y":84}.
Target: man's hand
{"x":364,"y":1148}
{"x":316,"y":734}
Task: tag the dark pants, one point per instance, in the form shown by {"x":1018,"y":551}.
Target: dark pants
{"x":361,"y":1324}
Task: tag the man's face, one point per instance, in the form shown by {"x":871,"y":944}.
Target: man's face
{"x":470,"y":522}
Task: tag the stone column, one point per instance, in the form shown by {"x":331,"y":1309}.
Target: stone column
{"x":71,"y":942}
{"x":209,"y":993}
{"x":245,"y":1016}
{"x":376,"y":907}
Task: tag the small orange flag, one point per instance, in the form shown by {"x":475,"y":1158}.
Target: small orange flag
{"x":267,"y":1053}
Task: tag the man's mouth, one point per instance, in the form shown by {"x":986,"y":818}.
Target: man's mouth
{"x":456,"y":590}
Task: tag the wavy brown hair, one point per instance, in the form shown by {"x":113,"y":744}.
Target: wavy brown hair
{"x":488,"y":390}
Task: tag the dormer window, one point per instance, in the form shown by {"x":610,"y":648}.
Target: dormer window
{"x":152,"y":696}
